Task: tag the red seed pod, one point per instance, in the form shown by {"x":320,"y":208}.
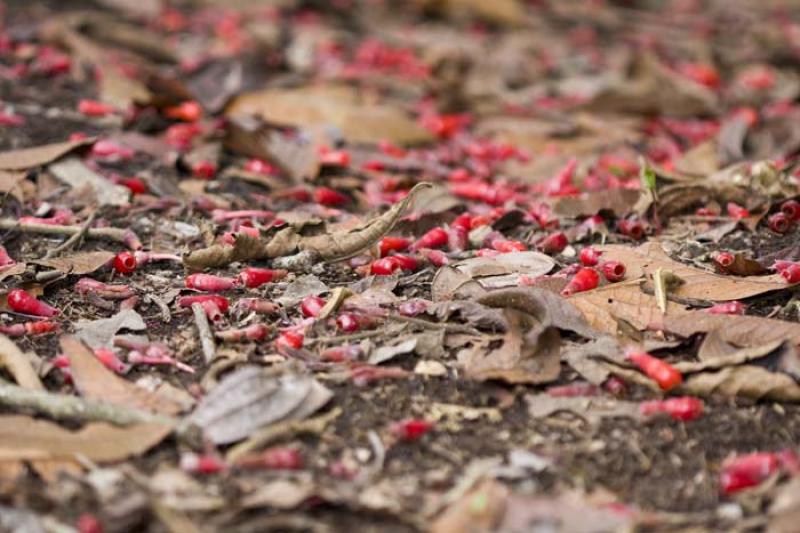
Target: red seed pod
{"x":311,"y":305}
{"x":347,"y":322}
{"x":659,"y":371}
{"x":259,"y":166}
{"x":724,"y":259}
{"x":632,"y":228}
{"x":88,"y":523}
{"x":436,"y":257}
{"x":189,"y":111}
{"x":92,"y":108}
{"x":728,"y":308}
{"x":791,"y":273}
{"x":257,"y":305}
{"x":589,"y":256}
{"x":253,"y":332}
{"x":683,"y":408}
{"x":791,"y":208}
{"x":329,"y":197}
{"x":410,"y":429}
{"x":290,"y":339}
{"x":435,"y":238}
{"x":585,"y":279}
{"x":553,"y":243}
{"x":383,"y":267}
{"x":40,"y":327}
{"x":204,"y":169}
{"x":23,"y":302}
{"x":109,"y":150}
{"x":457,"y":239}
{"x":124,"y":263}
{"x":209,"y":282}
{"x":404,"y":262}
{"x":747,"y":471}
{"x":505,"y":247}
{"x":275,"y":458}
{"x":335,"y":158}
{"x":220,"y":302}
{"x":135,"y":185}
{"x":573,"y":390}
{"x":393,"y":244}
{"x":202,"y":464}
{"x":779,"y":223}
{"x":255,"y":277}
{"x":340,"y":354}
{"x":463,"y":221}
{"x":613,"y":271}
{"x":111,"y":361}
{"x":736,"y":211}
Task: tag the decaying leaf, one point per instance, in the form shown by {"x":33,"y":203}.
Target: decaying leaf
{"x":23,"y":437}
{"x":79,"y":263}
{"x":481,"y":508}
{"x":734,"y":357}
{"x":99,"y":333}
{"x":390,"y":351}
{"x":503,"y":270}
{"x":94,"y":381}
{"x":18,"y":365}
{"x":73,"y":171}
{"x":738,"y":330}
{"x":252,"y":398}
{"x":26,"y":158}
{"x":329,"y":246}
{"x":593,"y":409}
{"x":617,"y":201}
{"x":747,"y":381}
{"x":698,"y":284}
{"x":302,"y":286}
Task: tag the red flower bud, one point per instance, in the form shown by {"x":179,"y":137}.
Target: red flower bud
{"x":124,"y":263}
{"x":204,"y":169}
{"x":393,"y":244}
{"x":23,"y":302}
{"x":659,"y":371}
{"x":289,"y":339}
{"x":684,"y":408}
{"x":791,"y":208}
{"x":553,"y":243}
{"x":589,"y":256}
{"x":791,"y":273}
{"x":411,"y":429}
{"x":347,"y":322}
{"x":436,"y":257}
{"x":724,"y":259}
{"x":727,"y":308}
{"x":311,"y":306}
{"x":189,"y":111}
{"x":255,"y":277}
{"x":220,"y":302}
{"x":404,"y":262}
{"x":383,"y":267}
{"x":257,"y":305}
{"x":631,"y":227}
{"x":435,"y":238}
{"x":736,"y":211}
{"x":208,"y":282}
{"x":614,"y":271}
{"x":92,"y":108}
{"x":585,"y":279}
{"x":329,"y":197}
{"x":747,"y":471}
{"x":779,"y":223}
{"x":504,"y":246}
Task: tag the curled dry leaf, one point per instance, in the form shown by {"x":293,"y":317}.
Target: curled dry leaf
{"x":251,"y":398}
{"x":698,"y":284}
{"x":26,"y":158}
{"x":79,"y":263}
{"x":747,"y":381}
{"x":734,"y":357}
{"x":94,"y":381}
{"x":738,"y":330}
{"x":23,"y":437}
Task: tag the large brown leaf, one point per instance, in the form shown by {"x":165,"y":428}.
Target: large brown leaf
{"x":618,"y":201}
{"x":698,"y":284}
{"x":738,"y":330}
{"x":338,"y":106}
{"x":25,"y":158}
{"x":93,"y":380}
{"x":23,"y":437}
{"x":747,"y":381}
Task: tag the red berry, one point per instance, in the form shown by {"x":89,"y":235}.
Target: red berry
{"x":92,"y":108}
{"x":259,"y":166}
{"x":124,"y":263}
{"x":336,"y":158}
{"x":613,"y":271}
{"x":189,"y":111}
{"x":311,"y":305}
{"x":779,"y":222}
{"x":589,"y":256}
{"x":585,"y":279}
{"x":791,"y":273}
{"x":724,"y":259}
{"x":659,"y":371}
{"x":204,"y":170}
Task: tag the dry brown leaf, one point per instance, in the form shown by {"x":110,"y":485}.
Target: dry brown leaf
{"x":490,"y":273}
{"x":736,"y":357}
{"x":15,"y":185}
{"x":79,"y":263}
{"x":698,"y":284}
{"x":618,"y":201}
{"x":743,"y":266}
{"x":23,"y":437}
{"x":339,"y":106}
{"x":593,"y":409}
{"x":747,"y":381}
{"x":481,"y":509}
{"x":93,"y":380}
{"x":26,"y":158}
{"x":603,"y":307}
{"x":738,"y":330}
{"x":18,"y":365}
{"x":74,"y":172}
{"x":701,"y":160}
{"x":501,"y":12}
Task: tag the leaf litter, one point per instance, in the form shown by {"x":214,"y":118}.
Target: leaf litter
{"x":385,"y":212}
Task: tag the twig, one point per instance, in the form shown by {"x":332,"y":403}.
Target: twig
{"x":62,"y":406}
{"x":69,"y":243}
{"x":166,"y":316}
{"x":346,"y":338}
{"x":203,"y":329}
{"x":455,"y":328}
{"x":281,"y":429}
{"x":115,"y":234}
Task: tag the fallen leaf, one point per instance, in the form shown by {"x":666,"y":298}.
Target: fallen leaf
{"x":390,"y":351}
{"x":592,"y":409}
{"x":23,"y":437}
{"x":99,"y":333}
{"x":79,"y":263}
{"x":93,"y":380}
{"x":481,"y":509}
{"x":308,"y":285}
{"x":747,"y":381}
{"x":738,"y":330}
{"x":280,"y":493}
{"x":581,"y":358}
{"x":698,"y":284}
{"x":18,"y":365}
{"x":735,"y":357}
{"x":337,"y":106}
{"x":617,"y":201}
{"x":571,"y":510}
{"x":77,"y":175}
{"x":504,"y":270}
{"x":176,"y":489}
{"x":251,"y":398}
{"x":26,"y":158}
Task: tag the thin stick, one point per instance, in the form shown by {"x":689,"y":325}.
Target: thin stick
{"x":65,"y":407}
{"x":72,"y":241}
{"x":204,"y":331}
{"x":115,"y":234}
